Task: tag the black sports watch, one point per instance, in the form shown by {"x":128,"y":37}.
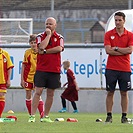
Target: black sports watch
{"x":44,"y":52}
{"x":116,"y":48}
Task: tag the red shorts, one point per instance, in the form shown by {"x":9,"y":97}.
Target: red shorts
{"x":29,"y":86}
{"x":3,"y":88}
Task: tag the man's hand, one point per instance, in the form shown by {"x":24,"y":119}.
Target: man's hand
{"x":22,"y":83}
{"x":48,"y":31}
{"x":77,"y":88}
{"x":8,"y":83}
{"x":45,"y":42}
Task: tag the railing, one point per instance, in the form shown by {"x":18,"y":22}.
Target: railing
{"x":74,"y":30}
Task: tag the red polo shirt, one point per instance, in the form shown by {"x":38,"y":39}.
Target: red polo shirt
{"x":121,"y":62}
{"x":50,"y":62}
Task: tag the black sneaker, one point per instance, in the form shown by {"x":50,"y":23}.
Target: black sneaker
{"x":124,"y":120}
{"x":108,"y":119}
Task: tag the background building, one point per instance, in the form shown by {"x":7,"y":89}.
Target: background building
{"x":76,"y":19}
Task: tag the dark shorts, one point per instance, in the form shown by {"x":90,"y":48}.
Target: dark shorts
{"x":47,"y":79}
{"x":123,"y":79}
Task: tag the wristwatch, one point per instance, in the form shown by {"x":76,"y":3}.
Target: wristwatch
{"x":116,"y":48}
{"x":44,"y":52}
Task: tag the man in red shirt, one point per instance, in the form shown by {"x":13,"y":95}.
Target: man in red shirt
{"x":118,"y":44}
{"x":48,"y":69}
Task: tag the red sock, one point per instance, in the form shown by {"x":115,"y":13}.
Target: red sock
{"x":41,"y":108}
{"x":2,"y":106}
{"x":28,"y":105}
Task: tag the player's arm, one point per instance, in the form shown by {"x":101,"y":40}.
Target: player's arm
{"x":127,"y":50}
{"x":53,"y":50}
{"x":42,"y":45}
{"x":111,"y":50}
{"x":56,"y":49}
{"x":8,"y":83}
{"x":22,"y":76}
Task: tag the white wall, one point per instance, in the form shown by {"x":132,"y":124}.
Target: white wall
{"x":86,"y":62}
{"x":89,"y":101}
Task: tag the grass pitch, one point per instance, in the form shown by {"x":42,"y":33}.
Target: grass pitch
{"x":86,"y":124}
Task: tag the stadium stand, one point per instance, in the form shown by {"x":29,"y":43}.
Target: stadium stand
{"x":62,"y":4}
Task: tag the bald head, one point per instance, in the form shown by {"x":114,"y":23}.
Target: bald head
{"x":51,"y":19}
{"x":51,"y":24}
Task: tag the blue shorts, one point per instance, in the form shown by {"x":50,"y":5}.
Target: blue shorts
{"x":47,"y":79}
{"x":123,"y":79}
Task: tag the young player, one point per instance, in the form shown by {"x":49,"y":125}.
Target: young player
{"x":6,"y":66}
{"x":71,"y":92}
{"x":27,"y":74}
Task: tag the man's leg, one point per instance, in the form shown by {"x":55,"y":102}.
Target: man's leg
{"x":109,"y":105}
{"x":124,"y":105}
{"x":109,"y":101}
{"x":124,"y":101}
{"x":41,"y":108}
{"x":48,"y":104}
{"x":35,"y":100}
{"x":49,"y":101}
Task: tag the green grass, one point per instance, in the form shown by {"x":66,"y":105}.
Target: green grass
{"x":86,"y":124}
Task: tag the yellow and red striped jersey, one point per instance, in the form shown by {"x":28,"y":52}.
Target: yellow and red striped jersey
{"x":30,"y":59}
{"x":5,"y":65}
